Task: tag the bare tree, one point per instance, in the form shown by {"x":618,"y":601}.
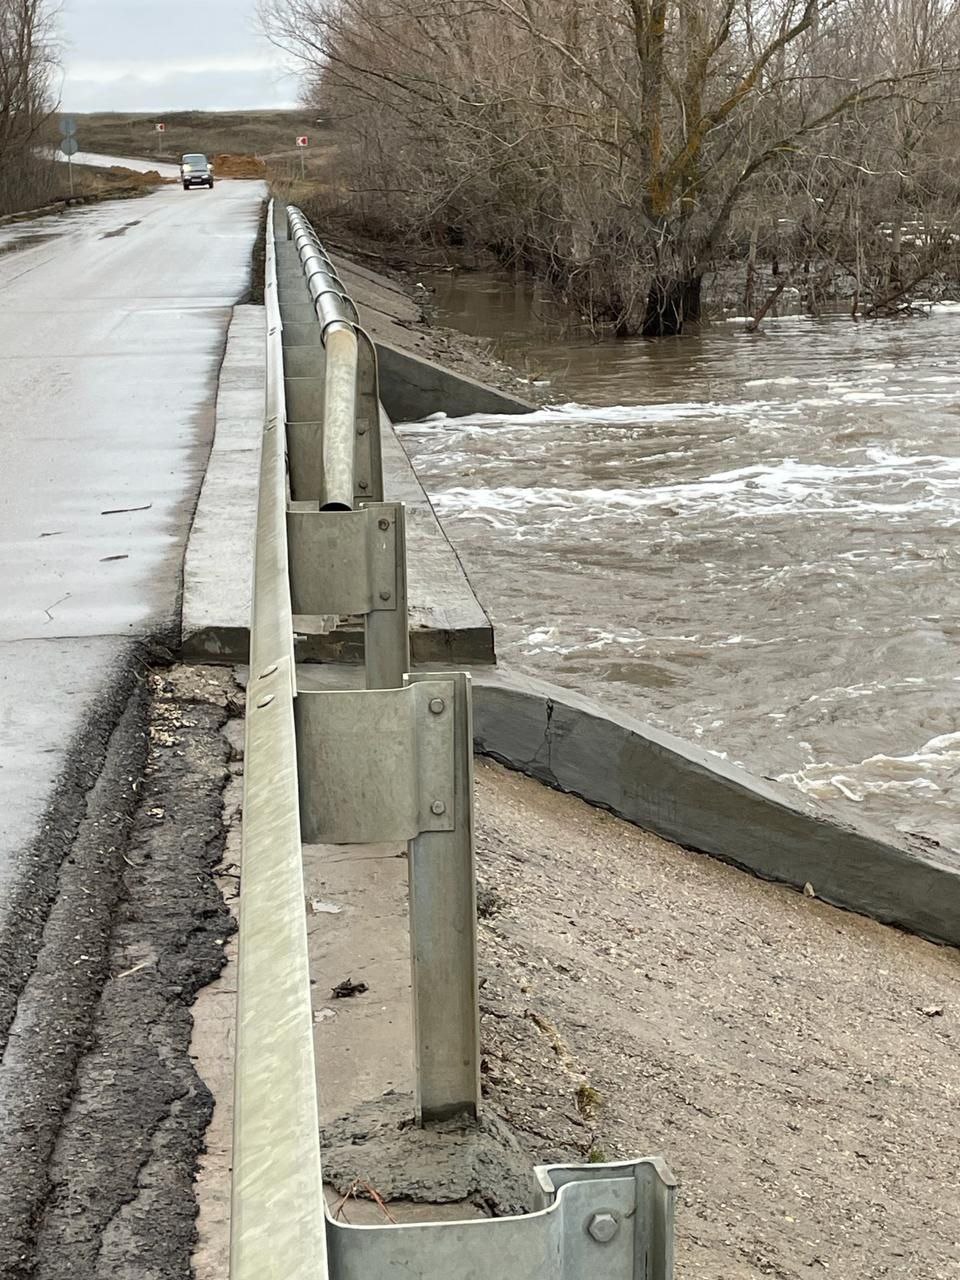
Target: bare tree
{"x":610,"y":145}
{"x":27,"y":61}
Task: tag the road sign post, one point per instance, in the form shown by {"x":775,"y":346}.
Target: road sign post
{"x":69,"y":147}
{"x":161,"y":130}
{"x":302,"y":142}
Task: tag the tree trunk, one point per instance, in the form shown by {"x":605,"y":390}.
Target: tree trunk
{"x":751,"y":267}
{"x":896,"y":249}
{"x":671,"y":302}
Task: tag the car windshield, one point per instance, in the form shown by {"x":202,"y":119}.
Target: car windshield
{"x":195,"y":160}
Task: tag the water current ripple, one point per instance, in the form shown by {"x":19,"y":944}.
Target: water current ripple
{"x":760,"y":554}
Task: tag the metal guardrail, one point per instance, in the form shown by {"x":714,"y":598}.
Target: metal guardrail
{"x":391,"y":762}
{"x":277,"y":1219}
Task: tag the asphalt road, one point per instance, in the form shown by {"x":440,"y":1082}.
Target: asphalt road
{"x":113,"y":322}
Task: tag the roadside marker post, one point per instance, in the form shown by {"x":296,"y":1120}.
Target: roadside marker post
{"x":161,"y":130}
{"x":302,"y":143}
{"x":69,"y":146}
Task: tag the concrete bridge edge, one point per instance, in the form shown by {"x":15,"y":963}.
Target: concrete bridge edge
{"x":681,"y":792}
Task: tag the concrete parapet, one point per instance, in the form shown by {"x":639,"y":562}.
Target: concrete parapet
{"x":681,"y":792}
{"x":412,"y":387}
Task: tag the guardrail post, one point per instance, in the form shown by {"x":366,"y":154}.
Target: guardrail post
{"x":369,"y":477}
{"x":397,"y":764}
{"x":443,"y":937}
{"x":355,"y":562}
{"x":386,"y":647}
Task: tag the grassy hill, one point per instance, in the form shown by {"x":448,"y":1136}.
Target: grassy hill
{"x":269,"y":134}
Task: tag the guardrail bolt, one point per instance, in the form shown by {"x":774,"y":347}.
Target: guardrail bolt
{"x":603,"y":1227}
{"x":384,"y":596}
{"x":438,"y":808}
{"x":364,"y":485}
{"x":437,"y":706}
{"x":265,"y":702}
{"x":383,"y":524}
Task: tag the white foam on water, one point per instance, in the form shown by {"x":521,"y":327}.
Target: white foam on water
{"x":759,"y":489}
{"x":579,"y":415}
{"x":920,"y":771}
{"x":768,"y":319}
{"x":842,"y":448}
{"x":773,"y":382}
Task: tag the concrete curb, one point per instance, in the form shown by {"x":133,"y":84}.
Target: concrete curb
{"x":681,"y":792}
{"x":218,"y":567}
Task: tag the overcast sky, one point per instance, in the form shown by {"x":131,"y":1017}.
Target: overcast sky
{"x":156,"y":55}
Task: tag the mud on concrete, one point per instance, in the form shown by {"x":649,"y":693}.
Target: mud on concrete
{"x":104,"y":1115}
{"x":795,"y":1064}
{"x":455,"y":1162}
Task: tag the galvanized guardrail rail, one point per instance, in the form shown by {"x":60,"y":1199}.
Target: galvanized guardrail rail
{"x":389,"y":762}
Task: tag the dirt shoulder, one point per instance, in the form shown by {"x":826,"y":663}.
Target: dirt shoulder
{"x":103,"y":1115}
{"x":90,"y":186}
{"x":797,"y":1065}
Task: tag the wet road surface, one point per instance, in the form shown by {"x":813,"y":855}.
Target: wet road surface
{"x":112,"y":327}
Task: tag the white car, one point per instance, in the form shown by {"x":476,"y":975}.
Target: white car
{"x":196,"y":171}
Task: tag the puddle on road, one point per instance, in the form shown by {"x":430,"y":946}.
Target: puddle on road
{"x":28,"y":241}
{"x":119,"y":231}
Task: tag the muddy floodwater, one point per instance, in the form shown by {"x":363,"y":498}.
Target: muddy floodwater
{"x":752,"y":541}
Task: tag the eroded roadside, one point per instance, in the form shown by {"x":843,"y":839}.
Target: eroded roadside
{"x":103,"y":1115}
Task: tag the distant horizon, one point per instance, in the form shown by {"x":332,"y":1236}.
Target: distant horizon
{"x":161,"y":112}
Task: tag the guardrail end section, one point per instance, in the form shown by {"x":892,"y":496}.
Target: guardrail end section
{"x":591,"y":1222}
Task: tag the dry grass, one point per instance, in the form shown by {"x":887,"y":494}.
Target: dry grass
{"x":89,"y":180}
{"x":28,"y":183}
{"x":50,"y":183}
{"x":265,"y":134}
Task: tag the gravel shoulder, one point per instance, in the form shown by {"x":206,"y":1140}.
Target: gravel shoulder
{"x":796,"y":1065}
